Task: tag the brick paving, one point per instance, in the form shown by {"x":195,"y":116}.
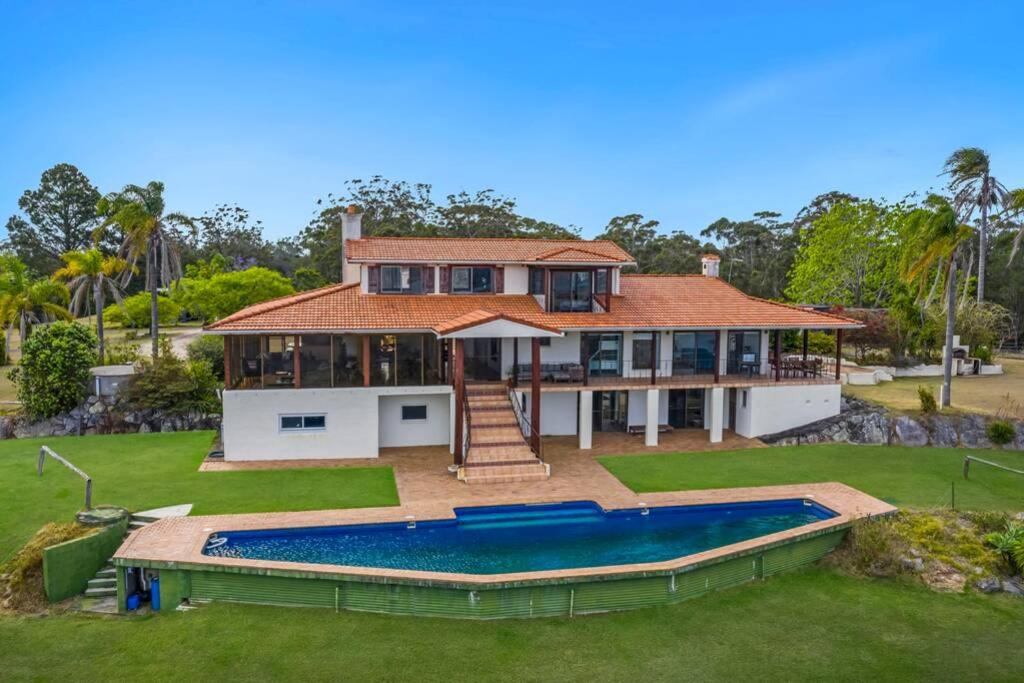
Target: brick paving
{"x":428,"y":491}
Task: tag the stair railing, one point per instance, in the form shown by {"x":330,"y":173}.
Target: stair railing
{"x":525,"y":428}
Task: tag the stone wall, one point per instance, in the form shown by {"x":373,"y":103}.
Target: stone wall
{"x":103,"y":415}
{"x":862,"y":422}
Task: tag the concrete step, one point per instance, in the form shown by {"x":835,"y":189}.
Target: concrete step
{"x":136,"y":524}
{"x":104,"y":582}
{"x":100,"y":592}
{"x":505,"y":474}
{"x":106,"y":572}
{"x":499,"y":453}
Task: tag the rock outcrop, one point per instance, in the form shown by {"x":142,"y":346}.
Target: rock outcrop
{"x":862,"y":422}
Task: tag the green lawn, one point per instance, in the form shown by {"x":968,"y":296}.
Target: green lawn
{"x":141,"y":471}
{"x":916,"y":477}
{"x":811,"y":625}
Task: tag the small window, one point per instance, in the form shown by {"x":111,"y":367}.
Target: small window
{"x":401,"y":279}
{"x":545,"y":341}
{"x":414,"y":413}
{"x":297,"y":423}
{"x":536,"y":280}
{"x":601,"y":281}
{"x":466,"y":280}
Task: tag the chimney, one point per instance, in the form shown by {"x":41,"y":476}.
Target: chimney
{"x":709,"y":265}
{"x":351,"y":229}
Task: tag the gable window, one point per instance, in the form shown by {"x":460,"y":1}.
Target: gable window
{"x":414,"y":413}
{"x":401,"y":279}
{"x":303,"y":423}
{"x":472,"y":280}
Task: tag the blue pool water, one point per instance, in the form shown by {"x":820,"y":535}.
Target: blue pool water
{"x":523,"y":538}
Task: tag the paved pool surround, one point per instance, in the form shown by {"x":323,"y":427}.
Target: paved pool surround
{"x":174,"y":548}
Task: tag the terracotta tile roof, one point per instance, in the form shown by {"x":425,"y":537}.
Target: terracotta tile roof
{"x":480,"y":317}
{"x":483,"y":250}
{"x":645,"y":302}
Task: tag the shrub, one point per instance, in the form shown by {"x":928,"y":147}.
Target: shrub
{"x":821,"y":343}
{"x":1009,"y":543}
{"x":172,"y":386}
{"x":308,"y":278}
{"x":926,"y":395}
{"x":135,"y":311}
{"x":1000,"y":432}
{"x":208,"y":348}
{"x":984,"y":354}
{"x":53,"y":373}
{"x":225,"y":293}
{"x":123,"y":353}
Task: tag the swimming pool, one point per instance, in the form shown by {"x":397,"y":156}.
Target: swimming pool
{"x":524,"y":538}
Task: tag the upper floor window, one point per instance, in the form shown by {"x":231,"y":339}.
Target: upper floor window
{"x":401,"y":279}
{"x":571,"y":291}
{"x":601,"y":281}
{"x":474,"y":280}
{"x":536,"y":280}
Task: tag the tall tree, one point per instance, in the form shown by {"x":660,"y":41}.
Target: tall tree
{"x":935,"y":241}
{"x":150,"y":233}
{"x":637,"y":235}
{"x":91,"y":275}
{"x":61,"y":215}
{"x":26,"y":301}
{"x":228,"y":230}
{"x":756,"y":253}
{"x":974,"y":187}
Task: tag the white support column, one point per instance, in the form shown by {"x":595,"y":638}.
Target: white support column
{"x":651,"y":431}
{"x":586,"y":428}
{"x":717,"y":413}
{"x":723,"y":352}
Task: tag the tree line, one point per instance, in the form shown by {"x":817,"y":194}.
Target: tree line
{"x":839,"y":250}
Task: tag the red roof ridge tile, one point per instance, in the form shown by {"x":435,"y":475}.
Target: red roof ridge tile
{"x":561,"y":250}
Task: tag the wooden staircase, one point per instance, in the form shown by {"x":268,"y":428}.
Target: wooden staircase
{"x":497,"y":453}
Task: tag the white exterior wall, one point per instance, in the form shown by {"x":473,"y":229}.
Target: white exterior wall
{"x":774,"y":409}
{"x":558,"y":412}
{"x":636,"y":407}
{"x":394,"y":432}
{"x":353,"y":430}
{"x":517,"y":280}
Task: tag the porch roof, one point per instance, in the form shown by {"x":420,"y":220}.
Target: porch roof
{"x":646,"y":302}
{"x":484,"y":323}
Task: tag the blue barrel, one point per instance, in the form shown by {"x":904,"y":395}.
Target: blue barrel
{"x":132,"y":602}
{"x":154,"y":594}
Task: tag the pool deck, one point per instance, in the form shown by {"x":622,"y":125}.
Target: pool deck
{"x":178,"y":542}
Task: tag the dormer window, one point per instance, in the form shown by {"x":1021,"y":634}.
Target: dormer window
{"x":401,"y":280}
{"x":472,"y":280}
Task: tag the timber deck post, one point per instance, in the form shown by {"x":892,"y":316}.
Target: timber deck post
{"x":535,"y":393}
{"x":778,"y":355}
{"x":297,"y":362}
{"x":366,"y":360}
{"x":460,"y":390}
{"x":839,"y":354}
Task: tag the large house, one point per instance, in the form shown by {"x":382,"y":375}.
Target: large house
{"x":485,"y":345}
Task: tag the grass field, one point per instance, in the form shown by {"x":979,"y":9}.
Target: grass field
{"x":917,"y":477}
{"x":813,"y":625}
{"x":990,"y":394}
{"x":140,"y":471}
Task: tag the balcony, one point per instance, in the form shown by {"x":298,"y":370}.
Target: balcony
{"x":672,"y":375}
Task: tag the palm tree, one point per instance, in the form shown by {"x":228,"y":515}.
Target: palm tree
{"x":90,"y":273}
{"x":1013,"y":207}
{"x":148,"y":232}
{"x":25,"y":301}
{"x":973,"y":187}
{"x":936,"y":239}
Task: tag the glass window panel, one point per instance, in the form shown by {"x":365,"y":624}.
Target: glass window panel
{"x":291,"y":422}
{"x":315,"y":361}
{"x":314,"y":422}
{"x":642,"y":357}
{"x":383,"y":368}
{"x":279,"y":362}
{"x":482,"y":280}
{"x":414,"y":412}
{"x":391,"y":279}
{"x":571,"y":291}
{"x":348,"y":361}
{"x":461,"y":278}
{"x":409,"y":350}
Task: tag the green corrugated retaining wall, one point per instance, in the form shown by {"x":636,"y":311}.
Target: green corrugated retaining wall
{"x":497,"y":602}
{"x":68,"y":566}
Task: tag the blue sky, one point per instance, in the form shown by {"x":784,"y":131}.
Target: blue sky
{"x":684,"y":112}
